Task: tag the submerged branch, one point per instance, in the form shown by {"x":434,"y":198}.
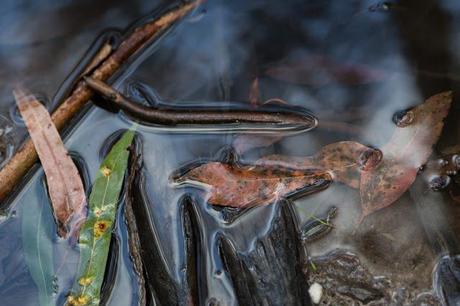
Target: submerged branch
{"x":26,"y":156}
{"x":228,"y":118}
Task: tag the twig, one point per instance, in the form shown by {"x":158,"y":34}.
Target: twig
{"x":227,"y":118}
{"x":26,"y":156}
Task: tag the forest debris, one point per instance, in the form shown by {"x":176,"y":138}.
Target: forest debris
{"x":65,"y":186}
{"x":408,"y":149}
{"x":345,"y":160}
{"x":382,"y":176}
{"x":135,"y":249}
{"x":238,"y":185}
{"x":96,"y":233}
{"x":138,"y":40}
{"x":273,"y":177}
{"x":222,"y":119}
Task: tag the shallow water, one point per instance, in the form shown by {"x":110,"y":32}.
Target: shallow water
{"x":354,"y":64}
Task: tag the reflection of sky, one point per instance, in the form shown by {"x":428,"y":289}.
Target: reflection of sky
{"x":214,"y":57}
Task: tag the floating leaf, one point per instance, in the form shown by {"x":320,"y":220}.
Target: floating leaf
{"x":344,"y":160}
{"x":407,"y":150}
{"x":239,"y":185}
{"x":38,"y":248}
{"x":96,"y":232}
{"x":64,"y":183}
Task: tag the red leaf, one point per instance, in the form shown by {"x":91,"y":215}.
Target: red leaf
{"x":64,"y":183}
{"x":237,"y":185}
{"x":344,"y":160}
{"x":408,"y":149}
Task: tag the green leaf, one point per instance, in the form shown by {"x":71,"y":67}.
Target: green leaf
{"x":37,"y":228}
{"x":96,"y":232}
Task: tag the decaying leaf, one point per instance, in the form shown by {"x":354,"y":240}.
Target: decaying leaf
{"x":238,"y":185}
{"x":345,"y":160}
{"x":407,"y":150}
{"x":317,"y":70}
{"x":64,"y":183}
{"x":96,"y":232}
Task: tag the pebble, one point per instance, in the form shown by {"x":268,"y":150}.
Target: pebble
{"x":316,"y":292}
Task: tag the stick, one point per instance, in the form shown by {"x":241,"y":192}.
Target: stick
{"x":228,"y":119}
{"x":26,"y":156}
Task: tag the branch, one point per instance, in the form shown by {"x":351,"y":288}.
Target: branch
{"x":221,"y":118}
{"x":26,"y":156}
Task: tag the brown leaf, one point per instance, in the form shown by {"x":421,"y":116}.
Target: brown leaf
{"x":64,"y":183}
{"x":407,"y":150}
{"x":344,"y":160}
{"x":237,"y":185}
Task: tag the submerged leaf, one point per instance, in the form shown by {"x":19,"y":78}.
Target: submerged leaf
{"x":238,"y":185}
{"x":96,"y":232}
{"x":38,"y":248}
{"x":254,"y":93}
{"x":344,"y":160}
{"x":407,"y":150}
{"x":64,"y":183}
{"x":317,"y":70}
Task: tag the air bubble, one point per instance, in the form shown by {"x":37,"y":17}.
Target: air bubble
{"x":403,"y":118}
{"x":55,"y":285}
{"x":456,"y":161}
{"x":439,"y":182}
{"x":382,"y":6}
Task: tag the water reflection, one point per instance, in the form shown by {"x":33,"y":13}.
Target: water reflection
{"x":357,"y":63}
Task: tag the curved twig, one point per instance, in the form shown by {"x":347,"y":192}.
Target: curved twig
{"x":230,"y":118}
